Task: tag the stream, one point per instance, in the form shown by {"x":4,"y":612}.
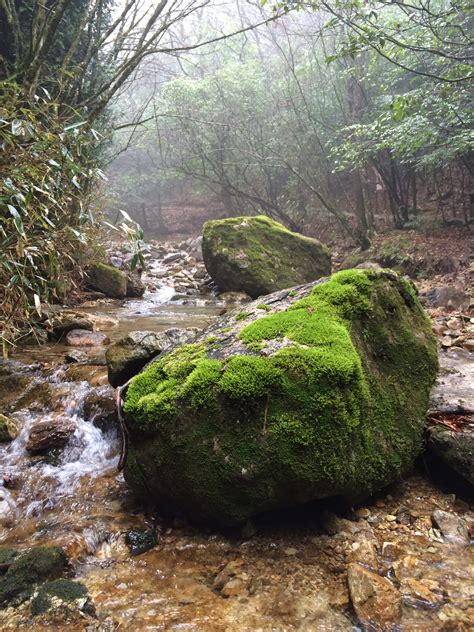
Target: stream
{"x":288,"y":572}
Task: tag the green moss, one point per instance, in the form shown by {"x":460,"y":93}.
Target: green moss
{"x":64,"y":589}
{"x":336,"y":409}
{"x":241,"y":316}
{"x":266,"y":308}
{"x":211,"y":339}
{"x":29,"y":569}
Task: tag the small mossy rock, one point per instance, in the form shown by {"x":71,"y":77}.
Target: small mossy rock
{"x":325,"y":395}
{"x":141,"y":540}
{"x":107,"y":279}
{"x":126,"y":357}
{"x":257,"y":255}
{"x":38,"y":565}
{"x":8,"y":428}
{"x":7,"y":557}
{"x":58,"y":593}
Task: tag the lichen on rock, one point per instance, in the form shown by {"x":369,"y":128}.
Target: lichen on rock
{"x":257,"y":255}
{"x":324,"y":395}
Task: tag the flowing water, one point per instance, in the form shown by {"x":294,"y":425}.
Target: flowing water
{"x":290,"y":576}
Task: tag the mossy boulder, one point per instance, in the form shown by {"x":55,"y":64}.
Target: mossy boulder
{"x":60,"y":593}
{"x":108,"y":280}
{"x":321,"y":394}
{"x":37,"y":566}
{"x":8,"y":428}
{"x":257,"y":255}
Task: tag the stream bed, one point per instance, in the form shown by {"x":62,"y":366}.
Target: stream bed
{"x":285,"y":572}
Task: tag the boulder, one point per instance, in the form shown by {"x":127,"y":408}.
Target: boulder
{"x":52,"y":433}
{"x":107,"y":279}
{"x":126,"y":357}
{"x":257,"y":255}
{"x":28,"y":570}
{"x":322,"y":394}
{"x":66,"y":322}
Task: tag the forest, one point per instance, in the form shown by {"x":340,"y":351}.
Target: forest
{"x":236,"y":315}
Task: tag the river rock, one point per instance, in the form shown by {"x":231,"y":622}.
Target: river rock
{"x":28,"y":570}
{"x":64,"y":599}
{"x":455,"y":448}
{"x":100,"y":407}
{"x":135,"y":286}
{"x":452,"y":526}
{"x":52,"y":433}
{"x":126,"y":357}
{"x":235,"y":298}
{"x":67,"y":321}
{"x":316,"y":397}
{"x":107,"y":279}
{"x":257,"y":255}
{"x":83,"y":338}
{"x":8,"y":428}
{"x":376,"y":601}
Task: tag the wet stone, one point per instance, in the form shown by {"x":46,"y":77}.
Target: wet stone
{"x":83,"y":338}
{"x":141,"y":540}
{"x":53,"y":433}
{"x":55,"y":594}
{"x":452,"y":526}
{"x":8,"y":428}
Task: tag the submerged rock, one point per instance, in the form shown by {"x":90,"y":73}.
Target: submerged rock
{"x":141,"y":540}
{"x":324,"y":394}
{"x":126,"y":357}
{"x":100,"y":407}
{"x":28,"y":570}
{"x":63,"y":596}
{"x":107,"y":279}
{"x":257,"y":255}
{"x":452,"y":526}
{"x":376,"y":601}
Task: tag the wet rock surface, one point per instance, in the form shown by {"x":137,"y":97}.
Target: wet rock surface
{"x":83,"y":338}
{"x":53,"y":433}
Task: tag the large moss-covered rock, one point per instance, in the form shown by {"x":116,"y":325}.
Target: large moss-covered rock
{"x":257,"y":255}
{"x":314,"y":392}
{"x":108,"y":280}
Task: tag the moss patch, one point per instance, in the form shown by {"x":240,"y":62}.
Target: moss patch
{"x":333,"y":405}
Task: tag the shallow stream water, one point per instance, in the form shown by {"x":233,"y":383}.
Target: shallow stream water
{"x":292,"y":574}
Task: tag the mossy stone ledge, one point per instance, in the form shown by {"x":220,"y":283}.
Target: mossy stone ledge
{"x":323,"y":395}
{"x":257,"y":255}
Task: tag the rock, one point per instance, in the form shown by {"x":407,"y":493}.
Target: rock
{"x":8,"y":428}
{"x":7,"y":557}
{"x":236,"y":298}
{"x":376,"y":601}
{"x":332,"y":524}
{"x":101,"y":322}
{"x":38,"y":565}
{"x":111,"y":281}
{"x":83,"y":338}
{"x":141,"y":540}
{"x":447,"y":296}
{"x":269,"y":409}
{"x":76,"y":357}
{"x":126,"y":357}
{"x":257,"y":255}
{"x":230,"y":570}
{"x":425,"y":593}
{"x":135,"y":286}
{"x":61,"y":595}
{"x":8,"y":509}
{"x":453,"y":392}
{"x":100,"y":407}
{"x":172,"y":257}
{"x":195,"y":248}
{"x":234,"y":588}
{"x":53,"y":433}
{"x":369,"y":265}
{"x":67,"y":321}
{"x":363,"y":552}
{"x":455,"y":448}
{"x":452,"y":526}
